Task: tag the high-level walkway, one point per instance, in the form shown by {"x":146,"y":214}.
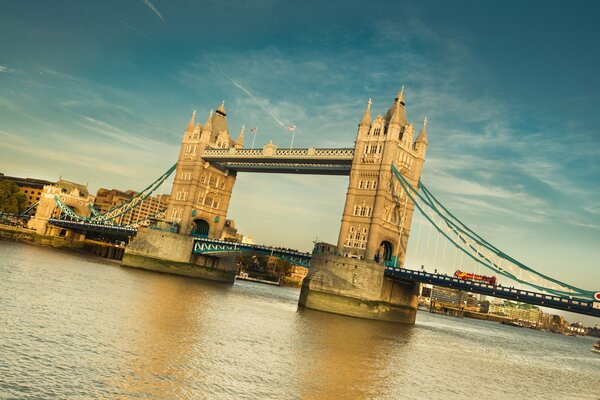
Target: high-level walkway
{"x":273,"y":160}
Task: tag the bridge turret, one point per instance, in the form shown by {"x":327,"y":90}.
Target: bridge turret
{"x":239,"y":142}
{"x":207,"y":129}
{"x":190,"y":125}
{"x":365,"y":122}
{"x":421,"y":142}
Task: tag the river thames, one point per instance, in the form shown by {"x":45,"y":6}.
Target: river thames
{"x":76,"y":327}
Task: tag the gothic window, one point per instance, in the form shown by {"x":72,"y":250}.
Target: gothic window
{"x":377,"y":131}
{"x":360,"y":184}
{"x":203,"y":178}
{"x":367,"y":184}
{"x":212,"y":181}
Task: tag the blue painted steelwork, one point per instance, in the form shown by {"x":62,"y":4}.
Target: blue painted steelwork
{"x":34,"y":205}
{"x":137,"y":199}
{"x":479,"y":250}
{"x":215,"y":247}
{"x":576,"y":305}
{"x":67,"y":211}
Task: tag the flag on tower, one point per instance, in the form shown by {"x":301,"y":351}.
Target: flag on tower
{"x":291,"y":128}
{"x":253,"y":130}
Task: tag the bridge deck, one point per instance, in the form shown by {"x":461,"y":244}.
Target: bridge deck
{"x":92,"y":227}
{"x":299,"y":161}
{"x":213,"y":246}
{"x":540,"y":299}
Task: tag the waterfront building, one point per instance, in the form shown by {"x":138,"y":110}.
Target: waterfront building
{"x":106,"y":199}
{"x":517,"y":311}
{"x":74,"y":195}
{"x":32,"y":188}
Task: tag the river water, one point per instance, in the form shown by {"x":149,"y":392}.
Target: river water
{"x":75,"y":327}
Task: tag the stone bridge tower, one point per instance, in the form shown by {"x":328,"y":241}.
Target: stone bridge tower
{"x":349,"y":278}
{"x":201,"y":193}
{"x":377,"y":214}
{"x":197,"y":208}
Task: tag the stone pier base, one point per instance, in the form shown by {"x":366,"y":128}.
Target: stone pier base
{"x":357,"y":288}
{"x":171,"y":253}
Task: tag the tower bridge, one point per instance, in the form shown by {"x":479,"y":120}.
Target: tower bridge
{"x":363,"y":274}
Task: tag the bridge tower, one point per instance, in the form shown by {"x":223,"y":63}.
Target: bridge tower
{"x":197,"y":208}
{"x":349,"y":278}
{"x":201,"y":193}
{"x":377,"y":214}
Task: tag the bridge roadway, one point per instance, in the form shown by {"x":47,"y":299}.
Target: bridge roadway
{"x":215,"y":247}
{"x":81,"y":226}
{"x":524,"y":296}
{"x":273,"y":160}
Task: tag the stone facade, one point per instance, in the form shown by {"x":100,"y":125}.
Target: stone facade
{"x":74,"y":195}
{"x":377,"y":214}
{"x":201,"y":193}
{"x":171,"y":253}
{"x":349,"y":278}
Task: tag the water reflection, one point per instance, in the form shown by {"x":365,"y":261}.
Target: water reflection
{"x":165,"y":326}
{"x":345,"y":357}
{"x":71,"y":327}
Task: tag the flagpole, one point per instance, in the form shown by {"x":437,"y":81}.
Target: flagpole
{"x":253,"y":137}
{"x":293,"y":129}
{"x":293,"y":134}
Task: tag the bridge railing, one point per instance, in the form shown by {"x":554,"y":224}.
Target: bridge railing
{"x":343,"y":153}
{"x":565,"y":303}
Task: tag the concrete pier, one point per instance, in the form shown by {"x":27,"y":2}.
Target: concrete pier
{"x":171,"y":253}
{"x":357,"y":288}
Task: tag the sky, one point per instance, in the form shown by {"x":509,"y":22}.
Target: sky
{"x":99,"y":92}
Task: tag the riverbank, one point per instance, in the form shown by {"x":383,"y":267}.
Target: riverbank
{"x":92,"y":247}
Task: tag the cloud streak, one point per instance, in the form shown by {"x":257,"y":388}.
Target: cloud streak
{"x":135,"y":30}
{"x":260,"y":104}
{"x":151,"y":7}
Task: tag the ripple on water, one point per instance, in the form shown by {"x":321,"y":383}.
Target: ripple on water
{"x":72,"y":327}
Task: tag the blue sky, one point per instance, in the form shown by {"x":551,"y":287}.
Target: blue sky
{"x":100,"y":92}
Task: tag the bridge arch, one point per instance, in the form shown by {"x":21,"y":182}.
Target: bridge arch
{"x":200,"y":228}
{"x":386,"y":251}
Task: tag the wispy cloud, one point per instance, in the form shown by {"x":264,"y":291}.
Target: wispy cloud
{"x":151,"y":7}
{"x":135,"y":30}
{"x":260,"y":104}
{"x":3,"y":68}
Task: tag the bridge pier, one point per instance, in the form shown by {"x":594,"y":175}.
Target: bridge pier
{"x":171,"y":253}
{"x":357,"y":288}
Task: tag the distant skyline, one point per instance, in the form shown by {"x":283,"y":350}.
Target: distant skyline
{"x":100,"y":92}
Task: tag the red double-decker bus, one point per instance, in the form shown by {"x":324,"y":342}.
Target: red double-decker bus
{"x":474,"y":277}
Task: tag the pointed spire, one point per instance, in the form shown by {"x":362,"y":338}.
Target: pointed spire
{"x":190,"y":125}
{"x":366,"y":119}
{"x":400,"y":96}
{"x":398,"y":100}
{"x":422,"y":138}
{"x":396,"y":115}
{"x":208,"y":124}
{"x":240,"y":138}
{"x":221,"y":109}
